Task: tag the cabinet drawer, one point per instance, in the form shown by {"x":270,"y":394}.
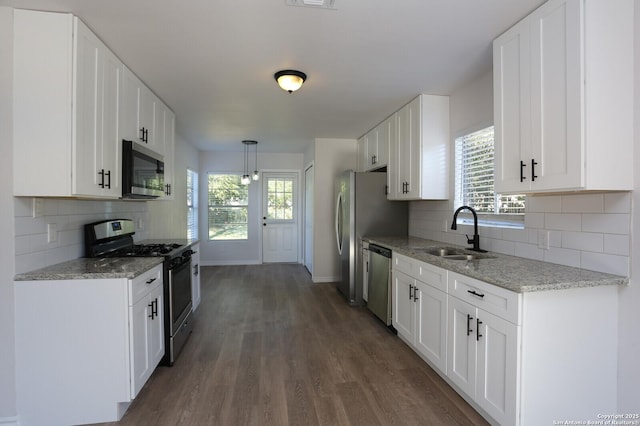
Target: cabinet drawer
{"x":405,"y":265}
{"x":496,"y":300}
{"x":144,"y":283}
{"x":432,"y":275}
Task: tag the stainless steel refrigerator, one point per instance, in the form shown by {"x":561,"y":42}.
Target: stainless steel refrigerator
{"x":362,"y":210}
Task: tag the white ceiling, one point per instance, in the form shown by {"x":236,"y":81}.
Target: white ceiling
{"x":212,"y":61}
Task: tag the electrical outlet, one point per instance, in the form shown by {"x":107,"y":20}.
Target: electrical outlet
{"x":445,"y":226}
{"x":543,"y":240}
{"x":52,"y":232}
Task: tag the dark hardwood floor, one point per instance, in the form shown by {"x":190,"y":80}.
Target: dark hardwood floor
{"x":269,"y":347}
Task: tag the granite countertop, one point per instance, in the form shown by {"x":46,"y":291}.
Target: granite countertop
{"x":93,"y":268}
{"x":512,"y":273}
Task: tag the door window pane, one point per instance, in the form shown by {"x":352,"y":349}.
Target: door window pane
{"x":279,"y":198}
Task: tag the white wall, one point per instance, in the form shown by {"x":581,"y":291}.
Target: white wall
{"x":7,"y":248}
{"x":331,"y":158}
{"x":168,"y":218}
{"x":629,"y":318}
{"x":248,"y":251}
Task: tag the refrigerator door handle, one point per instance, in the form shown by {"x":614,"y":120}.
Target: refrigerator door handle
{"x":339,"y":223}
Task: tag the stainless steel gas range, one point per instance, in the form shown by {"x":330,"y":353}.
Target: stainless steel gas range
{"x":114,"y":238}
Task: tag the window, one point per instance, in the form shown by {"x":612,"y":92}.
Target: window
{"x":192,"y":204}
{"x":280,"y":198}
{"x":228,"y":207}
{"x":474,"y":182}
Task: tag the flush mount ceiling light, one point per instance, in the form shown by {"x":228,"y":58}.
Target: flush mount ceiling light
{"x":290,"y":80}
{"x":325,"y":4}
{"x":246,"y":179}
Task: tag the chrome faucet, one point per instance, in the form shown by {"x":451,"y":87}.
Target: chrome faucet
{"x":476,"y":237}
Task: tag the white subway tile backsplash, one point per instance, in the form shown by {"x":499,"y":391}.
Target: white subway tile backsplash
{"x":617,"y":202}
{"x":590,"y":231}
{"x":547,"y":204}
{"x":562,"y":256}
{"x":534,"y":220}
{"x":528,"y":251}
{"x":603,"y":262}
{"x":33,"y":251}
{"x":588,"y":203}
{"x":563,"y":222}
{"x":583,"y":241}
{"x":617,"y":244}
{"x":614,"y":223}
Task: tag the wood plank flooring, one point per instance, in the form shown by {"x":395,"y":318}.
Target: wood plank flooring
{"x":269,"y":347}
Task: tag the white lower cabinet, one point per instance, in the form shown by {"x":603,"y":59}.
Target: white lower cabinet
{"x":85,"y":347}
{"x":522,"y":359}
{"x":482,"y":358}
{"x":420,"y":309}
{"x":146,"y":334}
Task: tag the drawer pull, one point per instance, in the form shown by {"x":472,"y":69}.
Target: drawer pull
{"x":475,"y":293}
{"x":151,"y":280}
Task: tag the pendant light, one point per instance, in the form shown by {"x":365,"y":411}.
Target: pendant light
{"x":290,"y":80}
{"x":246,"y":179}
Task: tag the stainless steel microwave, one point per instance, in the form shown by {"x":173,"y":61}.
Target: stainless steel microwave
{"x":142,"y":172}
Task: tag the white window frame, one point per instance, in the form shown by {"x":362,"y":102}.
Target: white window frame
{"x":238,"y":205}
{"x":497,"y":220}
{"x":192,"y":205}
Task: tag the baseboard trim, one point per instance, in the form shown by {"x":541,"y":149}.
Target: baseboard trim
{"x":317,"y":279}
{"x":9,"y":421}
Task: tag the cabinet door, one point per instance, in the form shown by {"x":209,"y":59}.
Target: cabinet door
{"x":362,"y":155}
{"x":111,"y":147}
{"x":371,"y":141}
{"x":403,"y":306}
{"x":129,"y":115}
{"x":168,"y":151}
{"x":556,"y":93}
{"x":512,"y":109}
{"x":88,"y":112}
{"x":394,"y":185}
{"x":461,"y":346}
{"x":146,"y":116}
{"x":384,"y":134}
{"x":431,"y":324}
{"x":139,"y":343}
{"x":496,"y":390}
{"x":156,"y":326}
{"x":409,"y":153}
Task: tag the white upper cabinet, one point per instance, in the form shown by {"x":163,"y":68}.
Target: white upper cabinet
{"x":419,"y":152}
{"x":142,"y":118}
{"x":373,"y":148}
{"x":66,"y":108}
{"x":563,"y":104}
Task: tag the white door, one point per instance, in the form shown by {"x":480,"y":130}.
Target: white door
{"x":279,"y":217}
{"x":308,"y":219}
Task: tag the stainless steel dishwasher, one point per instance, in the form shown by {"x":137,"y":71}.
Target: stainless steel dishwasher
{"x":379,"y":301}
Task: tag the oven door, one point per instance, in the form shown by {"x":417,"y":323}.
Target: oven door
{"x":179,"y":294}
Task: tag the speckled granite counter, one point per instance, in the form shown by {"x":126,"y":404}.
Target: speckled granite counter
{"x":513,"y":273}
{"x":93,"y":268}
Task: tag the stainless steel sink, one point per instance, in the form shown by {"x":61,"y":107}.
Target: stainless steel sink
{"x":452,"y":253}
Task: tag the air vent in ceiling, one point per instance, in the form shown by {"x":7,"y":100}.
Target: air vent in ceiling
{"x":324,"y":4}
